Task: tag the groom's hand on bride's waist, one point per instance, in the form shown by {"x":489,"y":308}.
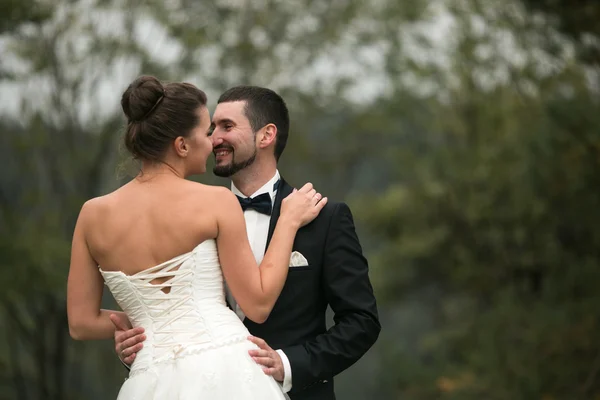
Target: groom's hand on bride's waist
{"x":268,"y":358}
{"x":128,"y":340}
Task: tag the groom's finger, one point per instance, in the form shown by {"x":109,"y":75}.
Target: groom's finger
{"x":270,"y":371}
{"x":264,"y":361}
{"x":259,"y":342}
{"x":119,"y":323}
{"x":129,"y":360}
{"x":259,"y":353}
{"x":129,"y":338}
{"x":131,"y":333}
{"x":133,"y":344}
{"x":276,"y":372}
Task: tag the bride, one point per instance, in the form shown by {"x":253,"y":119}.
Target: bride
{"x":163,"y":245}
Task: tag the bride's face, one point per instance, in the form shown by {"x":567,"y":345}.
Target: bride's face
{"x":200,"y":144}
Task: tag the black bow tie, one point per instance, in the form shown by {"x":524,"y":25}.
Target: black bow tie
{"x":260,"y":203}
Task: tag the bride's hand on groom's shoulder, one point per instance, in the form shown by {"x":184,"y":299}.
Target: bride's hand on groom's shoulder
{"x":302,"y":206}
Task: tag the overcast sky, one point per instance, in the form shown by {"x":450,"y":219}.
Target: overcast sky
{"x":362,"y":65}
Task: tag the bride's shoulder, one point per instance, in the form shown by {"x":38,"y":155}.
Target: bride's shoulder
{"x":208,"y":190}
{"x":109,"y":201}
{"x":217,"y":197}
{"x":222,"y":194}
{"x":94,"y":208}
{"x":101,"y":202}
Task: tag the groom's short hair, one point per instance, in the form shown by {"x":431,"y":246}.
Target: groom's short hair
{"x":263,"y":106}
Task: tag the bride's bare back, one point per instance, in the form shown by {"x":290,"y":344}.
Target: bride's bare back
{"x":149,"y":221}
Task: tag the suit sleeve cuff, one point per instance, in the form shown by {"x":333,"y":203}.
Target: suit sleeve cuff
{"x":287,"y":372}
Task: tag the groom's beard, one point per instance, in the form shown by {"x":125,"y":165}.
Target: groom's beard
{"x":225,"y":171}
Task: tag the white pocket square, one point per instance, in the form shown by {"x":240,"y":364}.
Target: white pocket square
{"x":297,"y":260}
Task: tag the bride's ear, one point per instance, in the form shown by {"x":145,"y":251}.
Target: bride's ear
{"x":268,"y":136}
{"x":181,"y":147}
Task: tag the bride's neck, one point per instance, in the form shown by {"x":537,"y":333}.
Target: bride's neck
{"x":151,"y":170}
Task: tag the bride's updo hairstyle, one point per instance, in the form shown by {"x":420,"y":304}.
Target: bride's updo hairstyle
{"x":157,"y":114}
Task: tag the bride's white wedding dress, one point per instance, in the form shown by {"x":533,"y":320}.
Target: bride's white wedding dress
{"x":195,"y":347}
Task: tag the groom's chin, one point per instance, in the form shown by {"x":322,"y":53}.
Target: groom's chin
{"x":223,"y":172}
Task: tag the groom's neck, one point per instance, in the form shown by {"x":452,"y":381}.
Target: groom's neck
{"x":250,"y":179}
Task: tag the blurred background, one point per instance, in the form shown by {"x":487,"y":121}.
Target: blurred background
{"x":464,"y":134}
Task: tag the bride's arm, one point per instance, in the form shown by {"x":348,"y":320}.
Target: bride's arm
{"x":256,"y":289}
{"x":84,"y":290}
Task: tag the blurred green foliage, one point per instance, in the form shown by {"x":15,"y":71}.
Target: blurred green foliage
{"x":464,"y":133}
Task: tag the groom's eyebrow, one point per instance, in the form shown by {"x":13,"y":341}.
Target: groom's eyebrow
{"x":223,"y":121}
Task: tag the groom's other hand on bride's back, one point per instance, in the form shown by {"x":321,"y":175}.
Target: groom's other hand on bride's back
{"x":128,"y":340}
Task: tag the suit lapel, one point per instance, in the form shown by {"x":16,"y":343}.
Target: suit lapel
{"x":282,"y":192}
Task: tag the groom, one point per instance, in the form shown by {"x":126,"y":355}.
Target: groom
{"x":327,"y":267}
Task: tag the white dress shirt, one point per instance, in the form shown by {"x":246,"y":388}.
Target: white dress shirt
{"x":257,"y":226}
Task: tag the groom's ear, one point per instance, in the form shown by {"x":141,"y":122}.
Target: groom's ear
{"x":268,"y":136}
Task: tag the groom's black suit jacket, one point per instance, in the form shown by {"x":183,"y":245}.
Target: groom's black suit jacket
{"x":336,"y":275}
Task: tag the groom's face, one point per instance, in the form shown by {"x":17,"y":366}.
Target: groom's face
{"x":234,"y":143}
